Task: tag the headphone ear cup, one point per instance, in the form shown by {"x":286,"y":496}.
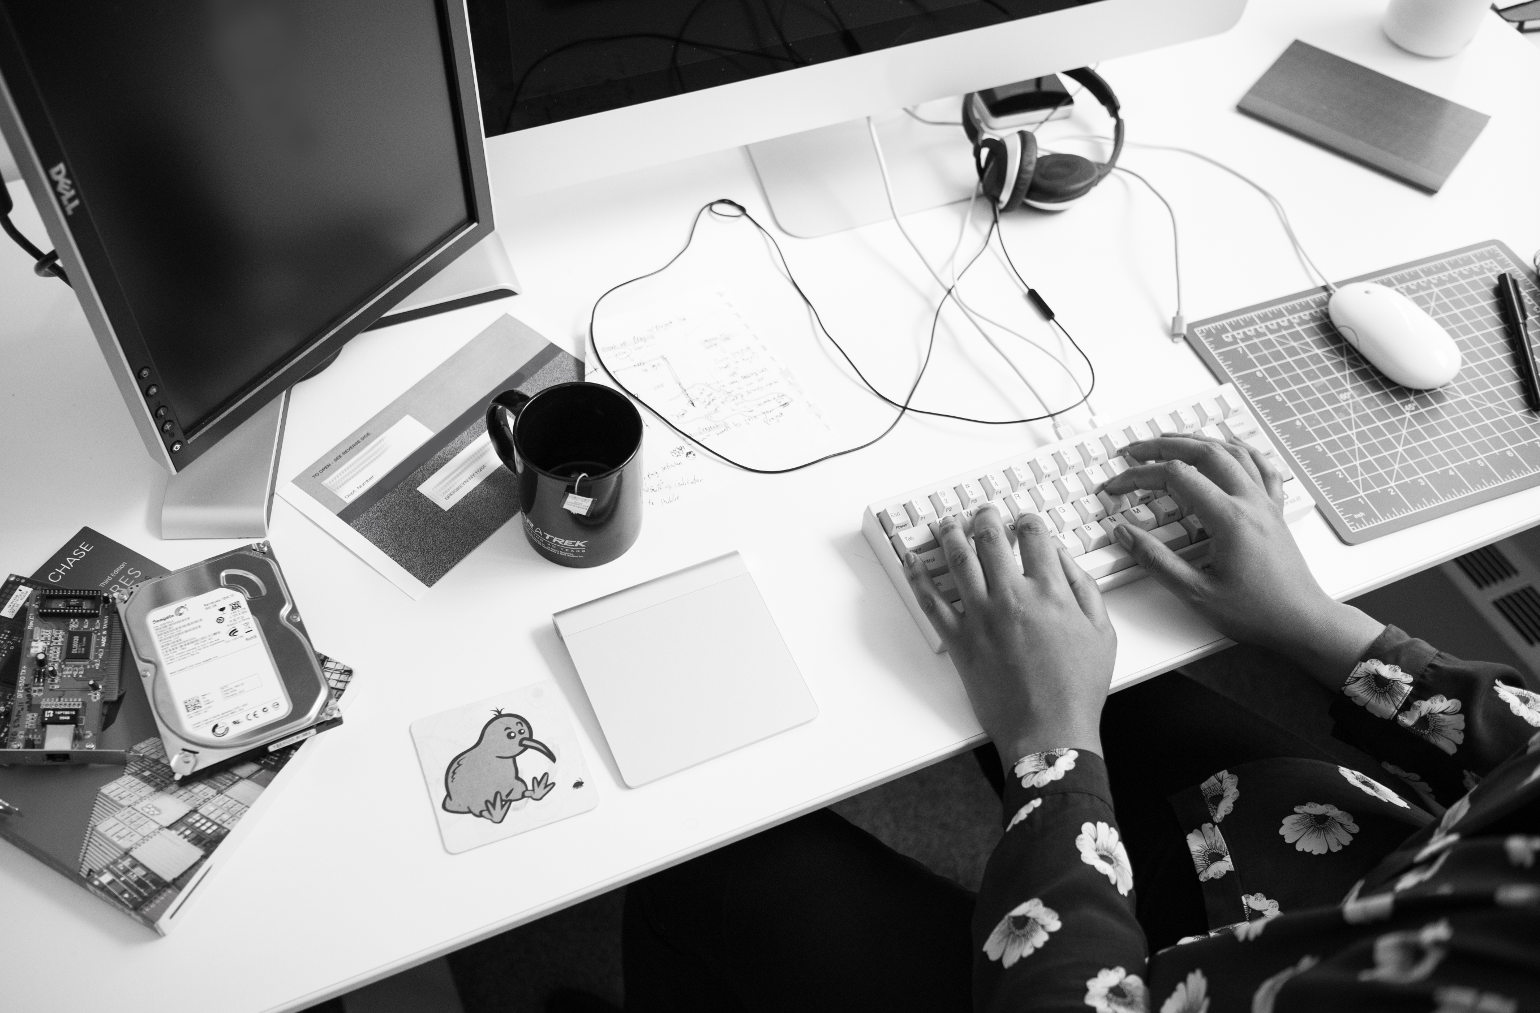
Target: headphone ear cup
{"x":1059,"y":180}
{"x":990,"y":160}
{"x":1026,"y":171}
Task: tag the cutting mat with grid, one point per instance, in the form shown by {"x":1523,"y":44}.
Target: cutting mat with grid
{"x":1378,"y":457}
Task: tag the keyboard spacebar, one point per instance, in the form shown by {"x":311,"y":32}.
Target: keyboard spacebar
{"x":1095,"y":565}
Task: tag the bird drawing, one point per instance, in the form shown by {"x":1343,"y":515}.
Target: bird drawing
{"x":484,"y":780}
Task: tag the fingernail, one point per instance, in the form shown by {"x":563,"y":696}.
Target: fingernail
{"x":1122,"y":534}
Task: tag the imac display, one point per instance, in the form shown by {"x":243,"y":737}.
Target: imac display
{"x":572,"y":92}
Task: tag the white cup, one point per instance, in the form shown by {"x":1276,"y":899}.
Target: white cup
{"x":1434,"y":27}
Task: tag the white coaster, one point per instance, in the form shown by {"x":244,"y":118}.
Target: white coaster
{"x":501,"y":766}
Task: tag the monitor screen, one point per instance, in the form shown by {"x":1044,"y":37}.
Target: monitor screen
{"x":552,"y":60}
{"x":576,"y":91}
{"x":249,"y":182}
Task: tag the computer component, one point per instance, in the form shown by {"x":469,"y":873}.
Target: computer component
{"x":60,"y":658}
{"x":572,"y":93}
{"x":1377,"y":457}
{"x":236,"y":190}
{"x":226,"y":663}
{"x":1060,"y":482}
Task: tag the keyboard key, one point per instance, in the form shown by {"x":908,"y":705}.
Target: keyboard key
{"x":947,"y":585}
{"x":1105,"y":561}
{"x":1141,"y":517}
{"x":1090,"y":509}
{"x":1166,"y":510}
{"x":1064,"y":518}
{"x":969,"y":494}
{"x":1071,"y":487}
{"x":1018,"y":503}
{"x":1046,"y":496}
{"x":994,"y":485}
{"x":893,"y":518}
{"x":1196,"y":532}
{"x":1044,"y":468}
{"x":1093,"y":536}
{"x":1186,"y":420}
{"x":1068,"y":460}
{"x":1071,"y":544}
{"x":1238,"y":429}
{"x":1094,"y":477}
{"x":913,"y":540}
{"x":1091,"y":452}
{"x":1113,"y":504}
{"x":1172,"y":536}
{"x":1019,"y":477}
{"x":944,"y":501}
{"x":920,"y":512}
{"x":934,"y":561}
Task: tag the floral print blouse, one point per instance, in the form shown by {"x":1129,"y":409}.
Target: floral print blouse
{"x":1411,"y":887}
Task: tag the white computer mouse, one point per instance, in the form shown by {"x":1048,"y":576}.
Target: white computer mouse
{"x":1397,"y":337}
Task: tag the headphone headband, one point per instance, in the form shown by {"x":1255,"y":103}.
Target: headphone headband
{"x":1064,"y":177}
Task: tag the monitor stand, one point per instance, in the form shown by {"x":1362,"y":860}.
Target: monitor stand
{"x":827,"y":180}
{"x":228,"y":491}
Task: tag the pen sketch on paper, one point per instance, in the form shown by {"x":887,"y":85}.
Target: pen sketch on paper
{"x":711,"y":374}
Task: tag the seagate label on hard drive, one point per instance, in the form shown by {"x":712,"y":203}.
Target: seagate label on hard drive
{"x":217,"y":666}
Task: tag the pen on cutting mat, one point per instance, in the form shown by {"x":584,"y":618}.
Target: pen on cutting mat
{"x":1513,"y":312}
{"x":6,"y":809}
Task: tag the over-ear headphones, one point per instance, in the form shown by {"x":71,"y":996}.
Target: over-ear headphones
{"x":1012,"y":173}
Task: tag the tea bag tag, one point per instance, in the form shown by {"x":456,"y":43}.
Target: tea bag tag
{"x":575,"y":504}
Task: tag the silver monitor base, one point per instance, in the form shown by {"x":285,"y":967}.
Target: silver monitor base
{"x":827,"y":180}
{"x":228,"y":492}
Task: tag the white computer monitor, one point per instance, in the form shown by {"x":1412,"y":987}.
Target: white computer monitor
{"x":740,"y":78}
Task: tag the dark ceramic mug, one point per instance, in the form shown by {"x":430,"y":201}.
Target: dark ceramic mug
{"x":576,"y":451}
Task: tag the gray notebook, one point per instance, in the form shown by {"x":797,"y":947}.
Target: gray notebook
{"x":1383,"y":123}
{"x":684,"y":668}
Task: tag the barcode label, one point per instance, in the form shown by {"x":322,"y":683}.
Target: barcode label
{"x":18,"y":599}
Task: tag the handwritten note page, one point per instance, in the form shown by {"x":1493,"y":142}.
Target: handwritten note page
{"x":715,"y":376}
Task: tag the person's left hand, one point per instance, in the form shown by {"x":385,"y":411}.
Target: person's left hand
{"x":1034,"y":646}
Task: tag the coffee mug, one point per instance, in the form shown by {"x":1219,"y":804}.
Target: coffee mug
{"x":576,"y":451}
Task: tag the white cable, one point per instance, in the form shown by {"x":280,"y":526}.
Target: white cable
{"x":973,"y":318}
{"x":1278,"y":208}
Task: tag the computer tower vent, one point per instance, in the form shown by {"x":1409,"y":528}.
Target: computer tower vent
{"x":1486,"y":566}
{"x":1522,"y":610}
{"x":1502,"y":582}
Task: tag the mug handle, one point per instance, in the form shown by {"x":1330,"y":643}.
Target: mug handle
{"x":508,"y":403}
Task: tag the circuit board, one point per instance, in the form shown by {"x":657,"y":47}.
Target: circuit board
{"x":1378,"y":457}
{"x":61,"y":654}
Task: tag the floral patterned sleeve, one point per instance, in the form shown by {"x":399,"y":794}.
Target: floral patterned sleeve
{"x":1054,"y":925}
{"x":1438,"y":723}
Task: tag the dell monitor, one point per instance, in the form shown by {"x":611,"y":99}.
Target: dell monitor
{"x":236,"y":188}
{"x":575,"y":91}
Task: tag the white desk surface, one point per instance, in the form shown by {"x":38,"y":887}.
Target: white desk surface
{"x":340,"y":878}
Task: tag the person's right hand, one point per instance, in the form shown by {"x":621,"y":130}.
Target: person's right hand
{"x":1256,"y":587}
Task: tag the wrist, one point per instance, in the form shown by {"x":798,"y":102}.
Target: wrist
{"x":1330,"y":640}
{"x":1012,"y":747}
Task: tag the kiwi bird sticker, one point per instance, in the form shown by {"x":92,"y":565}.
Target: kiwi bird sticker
{"x":502,"y":766}
{"x":484,"y":780}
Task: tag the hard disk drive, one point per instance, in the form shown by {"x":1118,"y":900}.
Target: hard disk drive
{"x":227,"y":665}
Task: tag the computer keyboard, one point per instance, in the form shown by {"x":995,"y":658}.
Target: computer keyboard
{"x":1060,"y":482}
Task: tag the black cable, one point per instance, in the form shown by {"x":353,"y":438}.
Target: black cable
{"x":45,"y":264}
{"x":904,"y":407}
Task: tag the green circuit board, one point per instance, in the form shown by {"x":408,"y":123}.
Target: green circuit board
{"x":61,"y":654}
